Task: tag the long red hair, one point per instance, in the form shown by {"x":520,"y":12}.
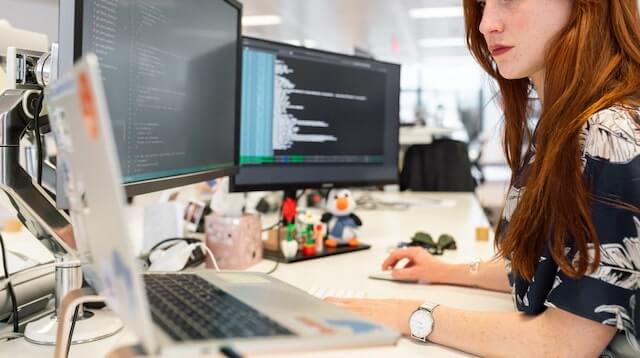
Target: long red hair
{"x":593,"y":64}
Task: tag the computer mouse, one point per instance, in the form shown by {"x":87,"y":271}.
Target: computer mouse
{"x":382,"y":275}
{"x":386,"y":275}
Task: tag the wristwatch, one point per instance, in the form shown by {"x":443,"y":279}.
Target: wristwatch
{"x":421,"y":321}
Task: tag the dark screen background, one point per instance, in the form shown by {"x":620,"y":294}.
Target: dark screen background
{"x":169,"y":71}
{"x":358,"y":125}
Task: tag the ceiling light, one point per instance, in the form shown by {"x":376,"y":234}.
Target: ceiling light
{"x":436,"y":12}
{"x":442,"y":42}
{"x":261,"y":20}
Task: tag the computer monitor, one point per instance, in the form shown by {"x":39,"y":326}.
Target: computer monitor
{"x":171,"y":73}
{"x":315,"y":119}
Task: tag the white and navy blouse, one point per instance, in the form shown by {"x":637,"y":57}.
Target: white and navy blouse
{"x":610,"y":143}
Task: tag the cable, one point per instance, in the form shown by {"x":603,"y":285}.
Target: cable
{"x":36,"y":124}
{"x":73,"y":326}
{"x":275,"y":267}
{"x":213,"y":258}
{"x":147,"y":257}
{"x":301,"y":195}
{"x":12,"y":294}
{"x":186,"y":239}
{"x":280,"y":221}
{"x":10,"y":336}
{"x":276,"y":225}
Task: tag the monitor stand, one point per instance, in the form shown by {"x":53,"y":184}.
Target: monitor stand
{"x":277,"y":255}
{"x":38,"y":213}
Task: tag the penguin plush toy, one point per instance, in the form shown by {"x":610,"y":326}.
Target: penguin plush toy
{"x":340,"y":220}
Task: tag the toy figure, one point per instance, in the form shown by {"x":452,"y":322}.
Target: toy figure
{"x":318,"y":235}
{"x":289,"y":246}
{"x":340,"y":219}
{"x":309,"y":246}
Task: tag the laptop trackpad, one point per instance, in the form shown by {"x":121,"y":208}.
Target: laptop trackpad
{"x":268,"y":294}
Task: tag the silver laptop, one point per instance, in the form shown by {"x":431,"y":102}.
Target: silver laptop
{"x":177,"y":313}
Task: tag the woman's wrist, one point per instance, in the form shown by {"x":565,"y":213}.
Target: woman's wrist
{"x":465,"y":274}
{"x":444,"y":273}
{"x":405,"y":310}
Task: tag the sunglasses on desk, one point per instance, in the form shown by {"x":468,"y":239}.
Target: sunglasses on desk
{"x":424,"y":240}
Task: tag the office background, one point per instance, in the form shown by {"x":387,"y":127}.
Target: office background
{"x":441,"y":84}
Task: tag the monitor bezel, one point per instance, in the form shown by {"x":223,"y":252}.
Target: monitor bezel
{"x":163,"y":183}
{"x":235,"y":187}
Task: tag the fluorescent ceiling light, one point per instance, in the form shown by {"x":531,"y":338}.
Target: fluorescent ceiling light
{"x":261,"y":20}
{"x":436,"y":12}
{"x":442,"y":42}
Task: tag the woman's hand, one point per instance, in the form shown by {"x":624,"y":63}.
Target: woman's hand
{"x":422,"y":266}
{"x":391,"y":313}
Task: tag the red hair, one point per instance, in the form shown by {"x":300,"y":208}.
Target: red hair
{"x":592,"y":64}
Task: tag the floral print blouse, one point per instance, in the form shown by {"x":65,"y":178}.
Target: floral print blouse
{"x":610,"y":143}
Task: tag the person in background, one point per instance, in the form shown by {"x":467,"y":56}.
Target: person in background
{"x":568,"y":244}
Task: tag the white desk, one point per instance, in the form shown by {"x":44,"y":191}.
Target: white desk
{"x":382,"y":229}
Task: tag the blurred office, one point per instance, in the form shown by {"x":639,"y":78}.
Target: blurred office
{"x":395,"y":136}
{"x":444,"y":92}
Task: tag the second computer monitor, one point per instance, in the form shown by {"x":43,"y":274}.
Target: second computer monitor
{"x":316,"y":119}
{"x":171,"y":72}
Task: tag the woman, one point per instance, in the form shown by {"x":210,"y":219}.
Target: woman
{"x":569,"y":238}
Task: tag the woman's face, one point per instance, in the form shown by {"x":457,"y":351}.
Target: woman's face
{"x":519,"y":32}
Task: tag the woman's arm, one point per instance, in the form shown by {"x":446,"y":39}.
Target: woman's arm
{"x":554,"y":333}
{"x":489,"y":275}
{"x":423,"y":267}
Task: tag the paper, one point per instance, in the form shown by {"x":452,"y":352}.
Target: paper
{"x":162,"y":221}
{"x":429,"y":203}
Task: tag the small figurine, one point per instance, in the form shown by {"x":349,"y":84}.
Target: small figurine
{"x":289,"y":246}
{"x":306,"y":218}
{"x":340,"y":219}
{"x":309,"y":246}
{"x":318,"y":235}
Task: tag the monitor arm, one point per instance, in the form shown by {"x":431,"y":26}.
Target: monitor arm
{"x":35,"y":208}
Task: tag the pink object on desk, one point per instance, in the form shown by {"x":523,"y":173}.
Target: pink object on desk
{"x":236,"y":242}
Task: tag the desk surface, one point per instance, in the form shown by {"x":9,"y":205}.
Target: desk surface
{"x":382,"y":229}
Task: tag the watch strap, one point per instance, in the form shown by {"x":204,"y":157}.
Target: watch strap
{"x":429,"y":306}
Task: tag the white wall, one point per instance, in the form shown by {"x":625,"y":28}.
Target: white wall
{"x":33,"y":15}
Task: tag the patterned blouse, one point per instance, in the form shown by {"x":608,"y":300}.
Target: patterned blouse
{"x":610,"y":144}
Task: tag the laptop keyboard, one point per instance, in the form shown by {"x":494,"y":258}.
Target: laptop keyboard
{"x":188,"y":307}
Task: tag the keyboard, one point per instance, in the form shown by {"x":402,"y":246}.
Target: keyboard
{"x":188,"y":307}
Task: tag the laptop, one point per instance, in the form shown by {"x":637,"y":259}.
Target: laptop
{"x":191,"y":313}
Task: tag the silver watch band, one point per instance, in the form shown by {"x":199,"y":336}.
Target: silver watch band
{"x":429,"y":306}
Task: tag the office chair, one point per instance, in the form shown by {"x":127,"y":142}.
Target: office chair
{"x":443,"y":165}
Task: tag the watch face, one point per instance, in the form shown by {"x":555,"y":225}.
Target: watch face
{"x":421,"y":324}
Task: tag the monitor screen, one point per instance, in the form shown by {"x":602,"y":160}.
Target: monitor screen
{"x":315,"y":119}
{"x":171,"y":77}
